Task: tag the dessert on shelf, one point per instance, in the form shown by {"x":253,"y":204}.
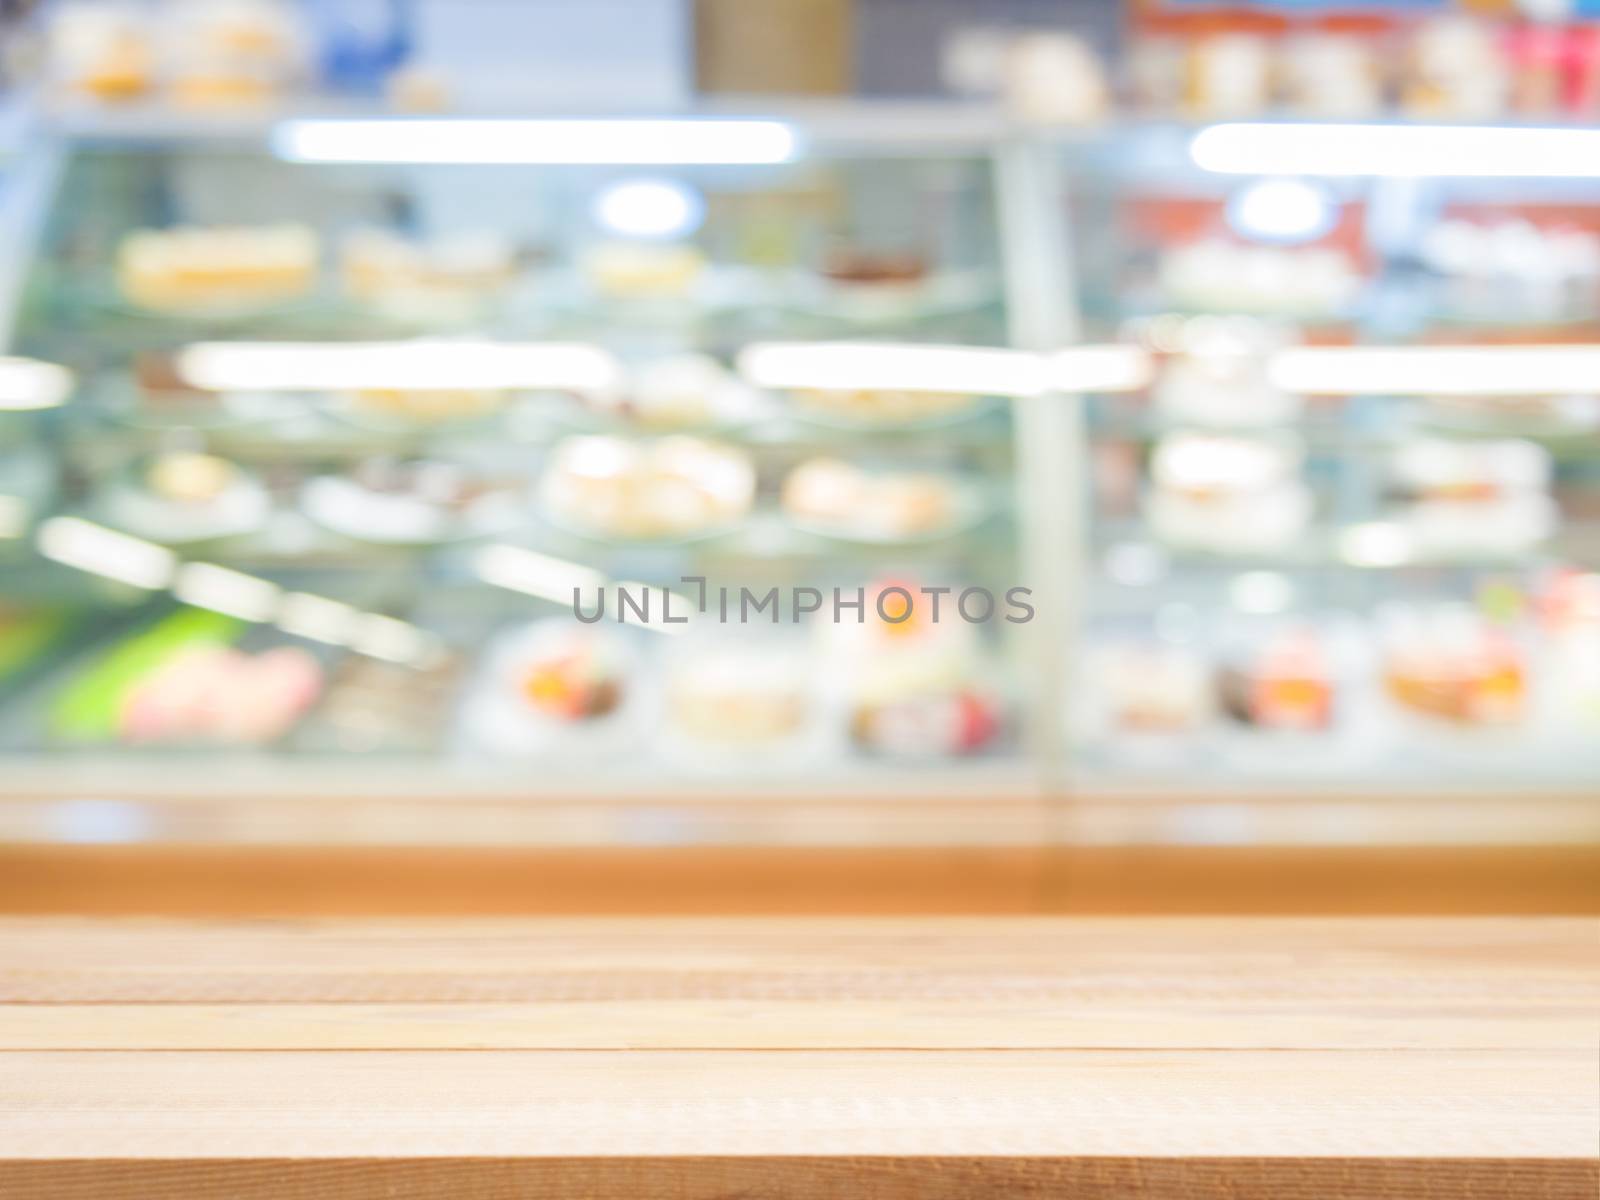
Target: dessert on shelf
{"x":209,"y":693}
{"x":840,"y":499}
{"x":1449,"y":663}
{"x":913,"y":684}
{"x":1219,"y":378}
{"x":1284,"y":682}
{"x":1217,"y":274}
{"x":450,"y":277}
{"x":1151,"y":688}
{"x":196,"y":269}
{"x":738,"y":697}
{"x":409,"y":501}
{"x":670,"y":487}
{"x":555,"y":687}
{"x":643,"y":270}
{"x":882,"y":407}
{"x":186,"y":495}
{"x":420,"y":407}
{"x":857,"y":266}
{"x":1469,"y":496}
{"x":102,"y":52}
{"x":1228,"y":495}
{"x":372,"y":706}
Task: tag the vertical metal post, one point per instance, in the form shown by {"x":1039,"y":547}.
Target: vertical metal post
{"x":1051,"y":444}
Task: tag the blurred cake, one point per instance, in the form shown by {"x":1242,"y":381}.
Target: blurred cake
{"x":1475,"y":496}
{"x":1227,"y":495}
{"x":448,"y":277}
{"x":671,"y":487}
{"x":643,"y":270}
{"x":207,"y":693}
{"x":565,"y":672}
{"x":882,"y":406}
{"x":184,"y":495}
{"x":195,"y":268}
{"x":423,"y":406}
{"x":1285,"y":682}
{"x":1449,"y":663}
{"x":912,"y":685}
{"x":737,"y":697}
{"x":836,"y":497}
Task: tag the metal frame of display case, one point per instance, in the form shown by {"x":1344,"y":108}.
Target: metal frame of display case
{"x":1038,"y":796}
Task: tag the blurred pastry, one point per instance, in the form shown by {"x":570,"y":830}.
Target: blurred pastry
{"x":1229,"y":75}
{"x":914,"y":685}
{"x":840,"y":498}
{"x":858,"y":266}
{"x":882,"y":406}
{"x":194,"y":268}
{"x":1471,"y":496}
{"x":1455,"y":70}
{"x":1449,"y":663}
{"x":1228,"y":495}
{"x":423,"y":406}
{"x":643,"y":270}
{"x":449,"y":277}
{"x":102,"y":51}
{"x":185,"y":496}
{"x":407,"y":501}
{"x":1055,"y":78}
{"x":672,"y":487}
{"x":1152,"y":688}
{"x":570,"y":673}
{"x":1218,"y":275}
{"x":216,"y":694}
{"x":1285,"y":683}
{"x":1332,"y":77}
{"x":737,"y":698}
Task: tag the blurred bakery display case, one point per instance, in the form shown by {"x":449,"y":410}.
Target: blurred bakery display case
{"x":321,"y":426}
{"x":1346,"y":538}
{"x":362,"y":417}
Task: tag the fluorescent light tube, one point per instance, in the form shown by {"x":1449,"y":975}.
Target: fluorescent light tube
{"x":855,"y":366}
{"x":1437,"y":370}
{"x":534,"y":574}
{"x":689,"y":141}
{"x":27,"y":384}
{"x":233,"y":593}
{"x":101,"y":551}
{"x":1100,"y":369}
{"x":410,"y":366}
{"x":1292,"y":148}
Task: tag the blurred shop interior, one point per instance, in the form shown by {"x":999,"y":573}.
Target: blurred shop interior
{"x":1194,"y":406}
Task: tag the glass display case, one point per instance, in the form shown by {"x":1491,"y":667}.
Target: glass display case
{"x":833,"y":460}
{"x":356,"y":451}
{"x":1346,"y":539}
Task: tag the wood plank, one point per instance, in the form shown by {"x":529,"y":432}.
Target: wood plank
{"x":798,"y":983}
{"x":793,"y":1025}
{"x":892,"y":1058}
{"x":802,"y":1178}
{"x":1520,"y":1105}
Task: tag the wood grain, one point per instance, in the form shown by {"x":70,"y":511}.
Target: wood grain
{"x":892,"y":1058}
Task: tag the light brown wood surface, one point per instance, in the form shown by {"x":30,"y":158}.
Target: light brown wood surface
{"x":935,"y":1057}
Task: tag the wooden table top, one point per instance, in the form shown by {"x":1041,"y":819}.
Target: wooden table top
{"x":918,"y":1057}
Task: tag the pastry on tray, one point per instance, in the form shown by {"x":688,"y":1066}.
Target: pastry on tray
{"x":195,"y":269}
{"x":831,"y":496}
{"x":671,"y":487}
